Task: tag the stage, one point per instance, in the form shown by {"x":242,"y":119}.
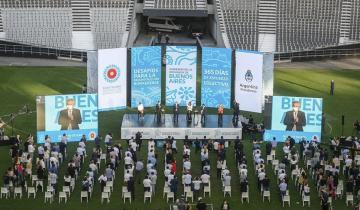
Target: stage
{"x":151,"y":129}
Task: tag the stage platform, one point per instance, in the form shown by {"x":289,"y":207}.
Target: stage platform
{"x":151,"y":129}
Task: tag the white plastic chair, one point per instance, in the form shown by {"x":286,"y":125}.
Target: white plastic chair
{"x":105,"y":195}
{"x":147,"y":195}
{"x":266,"y":194}
{"x":62,"y":195}
{"x":84,"y":194}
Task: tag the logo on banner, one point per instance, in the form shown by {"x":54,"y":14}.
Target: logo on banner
{"x":249,"y":76}
{"x":111,"y":73}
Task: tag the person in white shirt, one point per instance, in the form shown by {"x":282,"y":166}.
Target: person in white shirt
{"x":286,"y":149}
{"x":133,"y":145}
{"x":147,"y":184}
{"x":53,"y":180}
{"x":169,"y":178}
{"x":151,"y":144}
{"x":108,"y":139}
{"x":127,"y":176}
{"x":261,"y":177}
{"x":82,"y":144}
{"x":93,"y":166}
{"x":216,"y":145}
{"x":64,"y":139}
{"x":187,"y":165}
{"x":153,"y":178}
{"x":167,"y":171}
{"x":227,"y":180}
{"x":205,"y":178}
{"x":31,"y":150}
{"x":140,"y":109}
{"x":128,"y":161}
{"x":187,"y":179}
{"x":102,"y":180}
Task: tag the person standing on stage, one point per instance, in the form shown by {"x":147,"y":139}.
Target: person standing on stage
{"x":140,"y":111}
{"x":158,"y":112}
{"x":176,"y":111}
{"x":203,"y":114}
{"x":189,"y":110}
{"x":220,"y":114}
{"x":236,"y":108}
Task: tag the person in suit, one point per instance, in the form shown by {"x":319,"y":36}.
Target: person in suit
{"x":203,"y":113}
{"x":189,"y":109}
{"x":295,"y":119}
{"x":220,"y":114}
{"x":176,"y":109}
{"x":236,"y":112}
{"x":70,"y":118}
{"x":158,"y":112}
{"x":140,"y":109}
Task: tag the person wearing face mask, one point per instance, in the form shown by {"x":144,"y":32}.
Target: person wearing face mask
{"x":295,"y":119}
{"x":70,"y":118}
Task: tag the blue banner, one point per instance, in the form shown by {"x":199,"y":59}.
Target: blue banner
{"x":73,"y":115}
{"x":181,"y":74}
{"x":298,"y":117}
{"x":216,"y":77}
{"x":145,"y":76}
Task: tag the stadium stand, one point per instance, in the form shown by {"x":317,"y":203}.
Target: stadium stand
{"x":281,"y":26}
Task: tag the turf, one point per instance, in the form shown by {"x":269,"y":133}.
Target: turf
{"x":20,"y":85}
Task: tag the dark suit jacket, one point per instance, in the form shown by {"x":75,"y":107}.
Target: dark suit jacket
{"x":64,"y":119}
{"x":236,"y":108}
{"x":289,"y":121}
{"x":203,"y":108}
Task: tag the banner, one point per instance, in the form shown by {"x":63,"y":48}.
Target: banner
{"x":73,"y":115}
{"x":249,"y":80}
{"x":216,"y":77}
{"x":181,"y":74}
{"x":92,"y":72}
{"x":112,"y":78}
{"x":145,"y":76}
{"x":298,"y":117}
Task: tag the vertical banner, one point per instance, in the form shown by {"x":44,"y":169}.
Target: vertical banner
{"x":181,"y":74}
{"x":92,"y":72}
{"x":216,"y":77}
{"x":145,"y":76}
{"x":112,"y":77}
{"x":249,"y":80}
{"x":73,"y":115}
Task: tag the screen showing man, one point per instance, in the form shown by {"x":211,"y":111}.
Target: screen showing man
{"x":73,"y":115}
{"x":298,"y":117}
{"x":70,"y":118}
{"x":295,"y":119}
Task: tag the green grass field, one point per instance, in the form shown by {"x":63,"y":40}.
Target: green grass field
{"x":20,"y":85}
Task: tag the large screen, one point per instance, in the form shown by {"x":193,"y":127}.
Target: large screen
{"x":73,"y":115}
{"x":298,"y":117}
